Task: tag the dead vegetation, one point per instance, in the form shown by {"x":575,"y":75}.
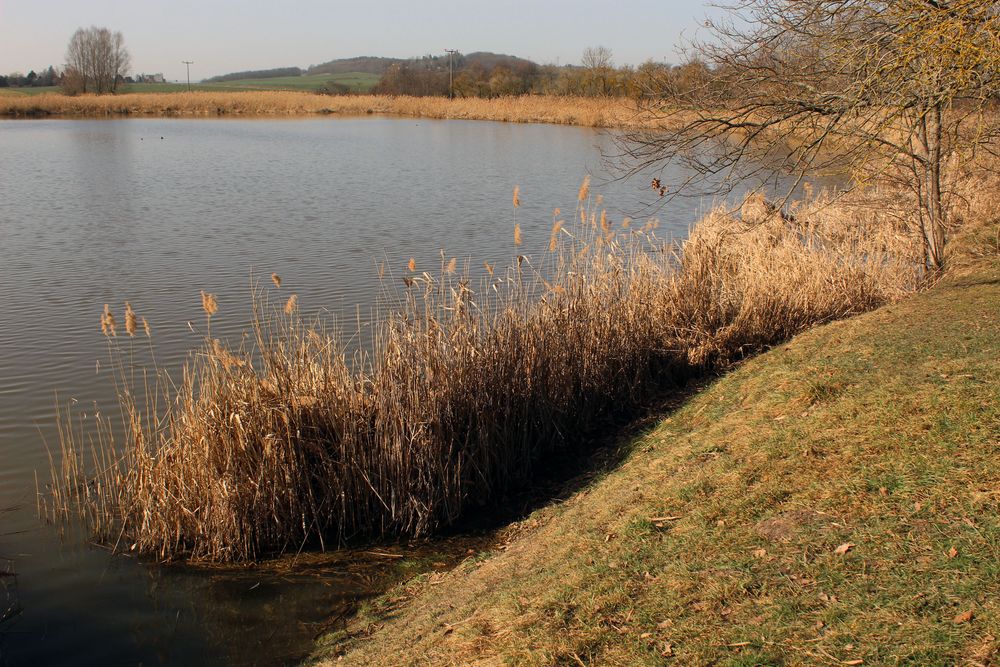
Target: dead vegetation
{"x":291,"y":441}
{"x":831,"y":502}
{"x":585,"y":111}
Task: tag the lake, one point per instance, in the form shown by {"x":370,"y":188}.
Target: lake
{"x":152,"y":212}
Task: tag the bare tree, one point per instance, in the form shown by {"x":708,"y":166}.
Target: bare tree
{"x":890,"y":88}
{"x":597,"y":61}
{"x":96,"y":60}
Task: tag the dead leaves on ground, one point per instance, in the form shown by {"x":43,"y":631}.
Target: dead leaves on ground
{"x":844,"y":548}
{"x":964,"y":617}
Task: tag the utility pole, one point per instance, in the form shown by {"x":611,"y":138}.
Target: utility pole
{"x":188,"y":63}
{"x":451,"y":74}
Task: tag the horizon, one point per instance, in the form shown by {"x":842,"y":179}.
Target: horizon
{"x":228,"y":37}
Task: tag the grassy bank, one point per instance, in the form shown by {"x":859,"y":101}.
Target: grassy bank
{"x":590,"y":112}
{"x":832,"y":502}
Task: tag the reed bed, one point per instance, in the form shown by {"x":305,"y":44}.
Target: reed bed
{"x":584,"y":111}
{"x":290,"y":441}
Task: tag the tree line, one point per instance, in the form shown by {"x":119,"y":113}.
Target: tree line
{"x":493,"y":75}
{"x":49,"y":77}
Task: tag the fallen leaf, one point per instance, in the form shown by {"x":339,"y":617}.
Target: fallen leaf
{"x":665,"y":624}
{"x":964,"y":617}
{"x":844,"y":548}
{"x":859,"y":661}
{"x":646,"y":635}
{"x":667,"y":651}
{"x":760,"y":553}
{"x":883,"y":491}
{"x":953,"y":552}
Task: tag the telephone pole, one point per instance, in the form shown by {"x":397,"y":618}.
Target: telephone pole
{"x":451,"y":74}
{"x":188,"y":63}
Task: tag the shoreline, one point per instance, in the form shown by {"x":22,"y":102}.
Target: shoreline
{"x":578,"y":111}
{"x":762,"y":519}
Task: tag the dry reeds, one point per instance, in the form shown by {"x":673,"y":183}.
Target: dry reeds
{"x":291,"y":442}
{"x":584,"y":111}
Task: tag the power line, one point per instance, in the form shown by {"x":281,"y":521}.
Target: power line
{"x":451,"y":74}
{"x":188,"y":63}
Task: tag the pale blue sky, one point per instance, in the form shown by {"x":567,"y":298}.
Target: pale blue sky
{"x":228,"y":35}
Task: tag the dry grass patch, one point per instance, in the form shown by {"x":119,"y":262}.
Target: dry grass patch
{"x":589,"y":112}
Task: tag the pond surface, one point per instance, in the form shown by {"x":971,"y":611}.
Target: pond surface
{"x":152,"y":212}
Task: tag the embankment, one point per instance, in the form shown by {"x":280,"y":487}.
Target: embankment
{"x":835,"y":500}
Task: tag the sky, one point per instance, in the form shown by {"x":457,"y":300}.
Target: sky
{"x":223,"y":36}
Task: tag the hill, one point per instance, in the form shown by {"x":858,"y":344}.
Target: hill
{"x":490,"y":61}
{"x":364,"y":64}
{"x":256,"y":74}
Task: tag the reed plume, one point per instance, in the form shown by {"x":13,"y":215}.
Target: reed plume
{"x":276,"y":279}
{"x":209,"y":303}
{"x":130,"y":319}
{"x":108,"y":324}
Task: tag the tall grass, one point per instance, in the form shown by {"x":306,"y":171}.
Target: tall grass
{"x":585,"y":111}
{"x":292,"y":441}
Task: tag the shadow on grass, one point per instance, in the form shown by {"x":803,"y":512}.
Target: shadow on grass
{"x":575,"y":466}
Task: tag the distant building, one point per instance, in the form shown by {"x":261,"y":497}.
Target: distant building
{"x":150,"y":78}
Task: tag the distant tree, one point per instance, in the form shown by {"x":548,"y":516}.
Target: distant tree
{"x":47,"y":77}
{"x":96,"y":61}
{"x":3,"y":82}
{"x":600,"y":68}
{"x":889,"y":88}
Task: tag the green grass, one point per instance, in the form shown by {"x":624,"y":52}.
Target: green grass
{"x":882,"y":431}
{"x":357,"y":82}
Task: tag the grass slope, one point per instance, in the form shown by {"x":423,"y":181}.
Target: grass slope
{"x":721,"y":538}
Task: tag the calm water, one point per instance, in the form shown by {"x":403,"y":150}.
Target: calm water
{"x":152,"y":211}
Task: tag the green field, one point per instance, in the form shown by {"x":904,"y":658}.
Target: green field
{"x":356,"y":82}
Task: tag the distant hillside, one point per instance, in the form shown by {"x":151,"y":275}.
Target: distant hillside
{"x":364,"y":64}
{"x":256,"y":74}
{"x":490,"y":61}
{"x":378,"y":65}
